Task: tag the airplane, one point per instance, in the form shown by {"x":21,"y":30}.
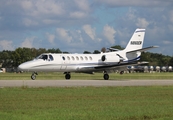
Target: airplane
{"x":89,"y":63}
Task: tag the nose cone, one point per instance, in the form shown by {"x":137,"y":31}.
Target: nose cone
{"x":23,"y":67}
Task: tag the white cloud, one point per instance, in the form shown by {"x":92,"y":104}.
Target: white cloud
{"x":170,"y":27}
{"x":50,"y":21}
{"x":133,"y":2}
{"x":80,"y":37}
{"x":6,"y":45}
{"x":63,"y":34}
{"x":83,"y":4}
{"x":109,"y":33}
{"x":28,"y":22}
{"x":77,"y":35}
{"x":50,"y":38}
{"x":28,"y":42}
{"x":131,"y":14}
{"x":84,"y":22}
{"x":42,"y":7}
{"x":89,"y":31}
{"x":40,"y":14}
{"x":142,"y":23}
{"x":171,"y":16}
{"x":78,"y":14}
{"x":166,"y":42}
{"x":26,"y":4}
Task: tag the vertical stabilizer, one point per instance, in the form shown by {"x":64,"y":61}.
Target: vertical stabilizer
{"x":136,"y":41}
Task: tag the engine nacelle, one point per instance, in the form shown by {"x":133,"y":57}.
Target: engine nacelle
{"x":110,"y":58}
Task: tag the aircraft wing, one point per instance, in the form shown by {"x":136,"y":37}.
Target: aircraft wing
{"x":143,"y":49}
{"x":108,"y":68}
{"x":119,"y":65}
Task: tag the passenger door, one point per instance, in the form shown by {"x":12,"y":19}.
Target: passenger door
{"x":63,"y":63}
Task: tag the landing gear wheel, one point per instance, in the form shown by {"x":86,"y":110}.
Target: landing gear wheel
{"x":106,"y":76}
{"x":122,"y":72}
{"x":67,"y":76}
{"x":33,"y":76}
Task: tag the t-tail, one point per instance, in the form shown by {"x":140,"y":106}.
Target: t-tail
{"x":133,"y":50}
{"x":134,"y":47}
{"x":136,"y":41}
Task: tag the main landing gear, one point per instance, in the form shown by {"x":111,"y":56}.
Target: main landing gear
{"x":106,"y":76}
{"x":121,"y":72}
{"x":33,"y":76}
{"x":67,"y":75}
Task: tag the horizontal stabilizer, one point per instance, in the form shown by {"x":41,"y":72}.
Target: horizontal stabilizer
{"x":113,"y":49}
{"x":143,"y":49}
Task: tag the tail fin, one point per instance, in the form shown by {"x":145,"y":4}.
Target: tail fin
{"x":136,"y":41}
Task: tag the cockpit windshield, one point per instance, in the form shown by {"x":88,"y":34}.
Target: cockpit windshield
{"x":47,"y":57}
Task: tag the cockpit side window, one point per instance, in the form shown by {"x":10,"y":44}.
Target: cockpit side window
{"x":46,"y":57}
{"x":51,"y":57}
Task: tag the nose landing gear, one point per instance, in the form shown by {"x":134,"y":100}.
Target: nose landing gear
{"x":33,"y":76}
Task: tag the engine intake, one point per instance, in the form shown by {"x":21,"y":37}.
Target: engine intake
{"x":103,"y":58}
{"x":110,"y":58}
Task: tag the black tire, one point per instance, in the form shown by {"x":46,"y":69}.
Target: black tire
{"x":67,"y":76}
{"x":122,"y":72}
{"x":33,"y":77}
{"x":106,"y":76}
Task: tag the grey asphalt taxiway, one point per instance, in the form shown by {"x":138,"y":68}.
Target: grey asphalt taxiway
{"x":80,"y":83}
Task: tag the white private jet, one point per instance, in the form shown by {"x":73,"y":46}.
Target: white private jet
{"x":89,"y":63}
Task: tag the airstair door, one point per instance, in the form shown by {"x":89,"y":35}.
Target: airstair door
{"x":63,"y":63}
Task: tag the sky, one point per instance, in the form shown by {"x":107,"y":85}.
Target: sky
{"x":85,"y":25}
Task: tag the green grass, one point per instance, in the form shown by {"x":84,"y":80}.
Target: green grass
{"x":83,"y":103}
{"x":79,"y":76}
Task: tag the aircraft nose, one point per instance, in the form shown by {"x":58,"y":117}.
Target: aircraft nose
{"x":22,"y":67}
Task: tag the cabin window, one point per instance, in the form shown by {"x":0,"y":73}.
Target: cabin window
{"x":81,"y":58}
{"x":72,"y":58}
{"x":68,"y":58}
{"x":63,"y":57}
{"x":86,"y":58}
{"x":77,"y":58}
{"x":90,"y":58}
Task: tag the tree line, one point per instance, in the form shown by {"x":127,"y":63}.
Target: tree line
{"x":14,"y":58}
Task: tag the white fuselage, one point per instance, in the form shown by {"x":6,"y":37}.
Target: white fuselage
{"x":69,"y":62}
{"x":89,"y":63}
